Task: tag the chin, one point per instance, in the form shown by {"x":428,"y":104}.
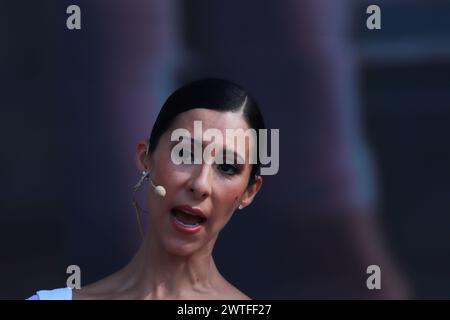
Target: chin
{"x":181,"y":248}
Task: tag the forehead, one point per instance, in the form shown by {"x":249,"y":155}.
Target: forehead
{"x":211,"y":119}
{"x":220,"y":120}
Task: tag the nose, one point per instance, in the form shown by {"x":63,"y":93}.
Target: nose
{"x":200,"y":182}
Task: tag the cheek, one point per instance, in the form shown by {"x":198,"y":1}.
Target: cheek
{"x":165,"y":170}
{"x":224,"y":204}
{"x":227,"y":196}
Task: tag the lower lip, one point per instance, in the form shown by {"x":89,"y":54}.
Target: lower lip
{"x":181,"y":228}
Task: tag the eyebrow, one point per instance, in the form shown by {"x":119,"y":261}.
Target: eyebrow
{"x":195,"y":141}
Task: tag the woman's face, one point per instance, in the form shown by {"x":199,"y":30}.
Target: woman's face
{"x":215,"y":190}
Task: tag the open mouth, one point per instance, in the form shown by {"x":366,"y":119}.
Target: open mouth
{"x":186,"y":219}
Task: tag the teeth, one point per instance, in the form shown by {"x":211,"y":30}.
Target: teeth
{"x":185,"y":224}
{"x":189,"y":213}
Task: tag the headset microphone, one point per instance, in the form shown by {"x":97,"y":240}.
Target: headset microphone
{"x":159,"y":190}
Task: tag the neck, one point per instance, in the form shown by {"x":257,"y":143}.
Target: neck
{"x":158,"y":274}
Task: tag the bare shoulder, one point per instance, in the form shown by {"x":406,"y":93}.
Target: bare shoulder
{"x":230,"y":292}
{"x":238,"y":295}
{"x":99,"y":290}
{"x":90,"y":292}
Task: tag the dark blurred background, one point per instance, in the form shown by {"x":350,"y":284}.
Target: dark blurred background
{"x":363,"y":118}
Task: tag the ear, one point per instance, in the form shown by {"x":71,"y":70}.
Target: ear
{"x":251,"y":192}
{"x":142,"y":156}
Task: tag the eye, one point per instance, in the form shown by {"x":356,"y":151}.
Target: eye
{"x":228,"y":169}
{"x":181,"y":154}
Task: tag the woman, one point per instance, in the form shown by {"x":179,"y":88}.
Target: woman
{"x":188,"y":204}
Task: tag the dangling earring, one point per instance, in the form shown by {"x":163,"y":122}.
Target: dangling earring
{"x":144,"y":176}
{"x":136,"y":206}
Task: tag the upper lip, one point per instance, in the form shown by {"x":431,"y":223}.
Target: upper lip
{"x":189,"y":209}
